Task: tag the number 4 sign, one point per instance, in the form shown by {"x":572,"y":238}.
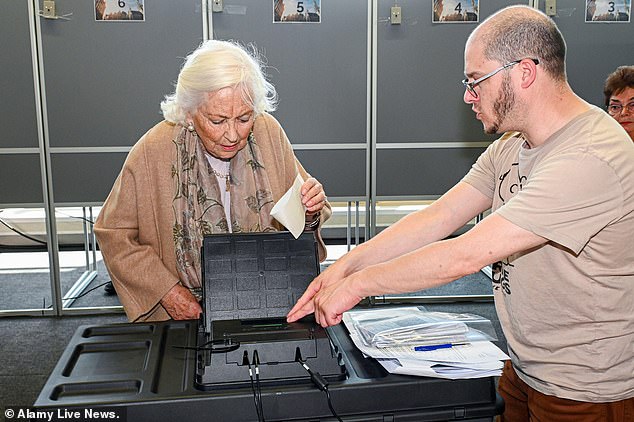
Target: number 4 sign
{"x":455,"y":11}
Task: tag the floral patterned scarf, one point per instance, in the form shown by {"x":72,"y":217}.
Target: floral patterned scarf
{"x":198,"y":210}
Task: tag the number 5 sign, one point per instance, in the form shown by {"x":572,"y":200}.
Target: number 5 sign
{"x":296,"y":11}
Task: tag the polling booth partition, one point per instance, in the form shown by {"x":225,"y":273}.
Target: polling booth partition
{"x":372,"y":105}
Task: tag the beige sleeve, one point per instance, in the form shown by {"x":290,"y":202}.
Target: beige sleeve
{"x":130,"y":245}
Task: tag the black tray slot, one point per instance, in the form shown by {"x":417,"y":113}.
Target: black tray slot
{"x":96,"y":388}
{"x":114,"y":349}
{"x":117,"y":330}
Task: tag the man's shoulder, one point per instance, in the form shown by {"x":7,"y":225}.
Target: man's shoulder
{"x":509,"y":137}
{"x":507,"y":142}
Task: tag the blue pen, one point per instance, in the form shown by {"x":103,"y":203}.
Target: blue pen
{"x":436,"y":347}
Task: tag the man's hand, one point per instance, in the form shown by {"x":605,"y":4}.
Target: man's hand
{"x":331,"y":302}
{"x":328,"y":296}
{"x":304,"y":305}
{"x":180,"y":303}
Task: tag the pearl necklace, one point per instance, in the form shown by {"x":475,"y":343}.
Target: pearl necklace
{"x":226,"y":176}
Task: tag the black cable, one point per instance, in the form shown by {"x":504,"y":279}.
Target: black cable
{"x":33,"y":239}
{"x":84,"y":293}
{"x":255,"y":395}
{"x":227,"y":345}
{"x":320,"y":382}
{"x":256,"y":362}
{"x":74,"y":216}
{"x":36,"y":240}
{"x":332,"y":409}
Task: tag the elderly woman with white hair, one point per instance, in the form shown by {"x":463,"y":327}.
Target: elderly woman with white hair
{"x":216,"y":164}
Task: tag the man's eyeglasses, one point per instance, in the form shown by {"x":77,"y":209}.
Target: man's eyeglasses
{"x":617,"y":109}
{"x":470,"y":86}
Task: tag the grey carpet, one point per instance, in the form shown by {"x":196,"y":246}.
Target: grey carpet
{"x":32,"y":290}
{"x":31,"y":348}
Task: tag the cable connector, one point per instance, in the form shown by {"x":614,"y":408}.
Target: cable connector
{"x":319,"y":381}
{"x":316,"y":378}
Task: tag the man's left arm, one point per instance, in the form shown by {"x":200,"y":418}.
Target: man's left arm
{"x":435,"y":264}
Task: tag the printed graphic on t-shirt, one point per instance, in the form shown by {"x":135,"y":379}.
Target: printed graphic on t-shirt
{"x":500,"y":276}
{"x":511,"y":182}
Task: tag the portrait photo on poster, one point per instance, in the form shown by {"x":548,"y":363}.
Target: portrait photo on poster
{"x":120,"y":10}
{"x":455,"y":11}
{"x":296,"y":11}
{"x":608,"y":11}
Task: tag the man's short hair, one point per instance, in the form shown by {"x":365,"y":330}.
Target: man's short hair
{"x":617,"y":81}
{"x":522,"y":32}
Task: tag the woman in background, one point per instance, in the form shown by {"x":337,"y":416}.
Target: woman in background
{"x":619,"y":97}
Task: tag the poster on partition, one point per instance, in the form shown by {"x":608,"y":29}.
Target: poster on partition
{"x":608,"y":11}
{"x":120,"y":10}
{"x":455,"y":11}
{"x":296,"y":11}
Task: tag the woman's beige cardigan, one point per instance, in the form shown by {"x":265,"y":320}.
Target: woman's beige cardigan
{"x":134,"y":228}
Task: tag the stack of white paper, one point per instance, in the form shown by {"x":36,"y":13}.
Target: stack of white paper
{"x":475,"y":359}
{"x":418,"y":328}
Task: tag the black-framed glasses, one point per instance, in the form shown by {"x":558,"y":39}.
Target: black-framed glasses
{"x":617,"y":109}
{"x":470,"y":86}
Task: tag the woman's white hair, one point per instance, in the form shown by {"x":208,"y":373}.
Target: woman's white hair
{"x":215,"y":65}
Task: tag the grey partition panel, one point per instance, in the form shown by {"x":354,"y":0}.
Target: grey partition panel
{"x":341,"y":172}
{"x":104,"y":79}
{"x":20,"y":179}
{"x":104,"y":83}
{"x":406,"y":172}
{"x":594,"y":49}
{"x":420,"y":97}
{"x":17,"y":96}
{"x":420,"y":66}
{"x":84,"y":178}
{"x":319,"y":69}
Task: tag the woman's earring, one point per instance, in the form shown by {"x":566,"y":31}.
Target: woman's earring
{"x":190,"y":127}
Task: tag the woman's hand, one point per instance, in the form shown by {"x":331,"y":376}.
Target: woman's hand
{"x":313,"y":196}
{"x":180,"y":303}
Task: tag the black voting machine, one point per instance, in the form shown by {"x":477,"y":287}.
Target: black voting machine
{"x":251,"y":281}
{"x":242,"y":362}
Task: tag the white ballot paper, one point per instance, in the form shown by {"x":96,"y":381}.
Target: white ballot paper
{"x":289,"y":210}
{"x":473,"y":360}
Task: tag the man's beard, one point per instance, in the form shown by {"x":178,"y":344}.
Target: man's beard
{"x":503,"y":105}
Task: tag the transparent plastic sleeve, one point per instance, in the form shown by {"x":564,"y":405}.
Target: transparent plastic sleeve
{"x":415,"y":326}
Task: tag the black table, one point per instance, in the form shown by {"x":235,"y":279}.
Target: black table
{"x":136,"y":369}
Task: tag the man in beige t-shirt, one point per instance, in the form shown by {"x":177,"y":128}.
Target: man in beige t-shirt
{"x":560,"y":184}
